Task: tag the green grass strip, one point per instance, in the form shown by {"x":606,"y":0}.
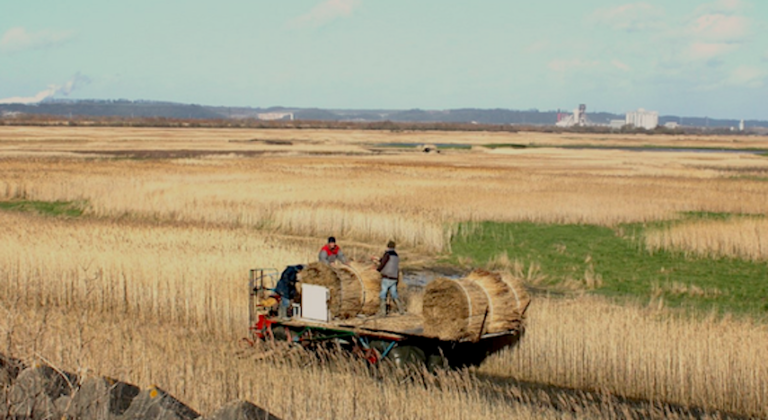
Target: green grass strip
{"x":507,"y":146}
{"x":571,"y":253}
{"x":48,"y":208}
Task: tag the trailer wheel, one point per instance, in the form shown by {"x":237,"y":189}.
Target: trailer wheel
{"x":280,"y":333}
{"x":407,"y":356}
{"x":436,"y":362}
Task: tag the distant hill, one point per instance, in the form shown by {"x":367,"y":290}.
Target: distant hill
{"x":118,"y":108}
{"x":152,"y":109}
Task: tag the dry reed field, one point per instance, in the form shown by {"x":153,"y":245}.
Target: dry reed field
{"x":205,"y":368}
{"x":185,"y":274}
{"x":738,"y":238}
{"x":642,"y":352}
{"x":178,"y":324}
{"x":75,"y":138}
{"x":149,"y":284}
{"x":364,"y":195}
{"x":183,"y":332}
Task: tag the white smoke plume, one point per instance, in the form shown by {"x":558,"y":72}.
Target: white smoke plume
{"x":19,"y":39}
{"x":75,"y":82}
{"x":326,"y":12}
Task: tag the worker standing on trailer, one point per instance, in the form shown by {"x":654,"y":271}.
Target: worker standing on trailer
{"x":286,"y":288}
{"x":389,"y":267}
{"x":331,"y":252}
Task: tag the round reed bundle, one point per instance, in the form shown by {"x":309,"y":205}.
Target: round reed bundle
{"x":521,"y":298}
{"x":352,"y":291}
{"x":454,"y":309}
{"x":505,"y":304}
{"x":354,"y":288}
{"x":322,"y":274}
{"x":371,"y":286}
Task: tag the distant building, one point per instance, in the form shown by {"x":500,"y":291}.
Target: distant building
{"x":616,"y":124}
{"x":741,"y":125}
{"x":273,"y":116}
{"x":10,"y":114}
{"x":577,"y":119}
{"x":672,"y":124}
{"x":643,"y":119}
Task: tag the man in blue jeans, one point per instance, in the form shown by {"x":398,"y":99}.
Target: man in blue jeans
{"x":286,"y":288}
{"x":389,"y":267}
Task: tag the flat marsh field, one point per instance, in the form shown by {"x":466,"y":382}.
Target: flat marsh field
{"x":125,"y":252}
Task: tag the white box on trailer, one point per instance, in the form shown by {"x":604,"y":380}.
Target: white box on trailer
{"x":314,"y":302}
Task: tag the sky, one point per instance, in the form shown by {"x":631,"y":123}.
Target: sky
{"x":681,"y":57}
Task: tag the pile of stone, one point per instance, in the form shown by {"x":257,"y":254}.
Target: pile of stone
{"x":43,"y":392}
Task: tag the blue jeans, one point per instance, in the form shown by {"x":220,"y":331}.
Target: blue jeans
{"x":285,"y":302}
{"x":285,"y":306}
{"x":390,"y":286}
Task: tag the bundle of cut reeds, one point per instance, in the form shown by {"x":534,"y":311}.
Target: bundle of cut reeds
{"x":507,"y":296}
{"x":455,"y":309}
{"x":322,"y":274}
{"x":354,"y":288}
{"x":360,"y":286}
{"x":521,"y":298}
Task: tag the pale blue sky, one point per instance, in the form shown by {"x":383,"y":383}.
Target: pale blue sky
{"x":686,"y":57}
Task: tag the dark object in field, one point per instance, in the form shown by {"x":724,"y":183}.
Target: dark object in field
{"x":278,"y":142}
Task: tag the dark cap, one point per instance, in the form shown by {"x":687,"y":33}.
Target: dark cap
{"x":299,"y":267}
{"x":331,"y":240}
{"x":391,"y":244}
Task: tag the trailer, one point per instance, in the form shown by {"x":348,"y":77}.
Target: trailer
{"x":395,"y":338}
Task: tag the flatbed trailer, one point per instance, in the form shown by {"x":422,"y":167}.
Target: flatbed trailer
{"x":398,"y":338}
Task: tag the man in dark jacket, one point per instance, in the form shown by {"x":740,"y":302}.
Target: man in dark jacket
{"x":286,"y":288}
{"x":389,"y":267}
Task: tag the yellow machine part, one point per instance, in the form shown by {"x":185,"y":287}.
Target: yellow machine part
{"x":270,"y":301}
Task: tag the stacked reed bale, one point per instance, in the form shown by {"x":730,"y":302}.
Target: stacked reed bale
{"x":354,"y":288}
{"x":483,"y":302}
{"x":521,"y":297}
{"x":508,"y":299}
{"x":321,"y":274}
{"x":454,"y":309}
{"x":360,"y":287}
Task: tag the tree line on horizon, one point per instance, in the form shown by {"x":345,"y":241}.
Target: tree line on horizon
{"x":147,"y":110}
